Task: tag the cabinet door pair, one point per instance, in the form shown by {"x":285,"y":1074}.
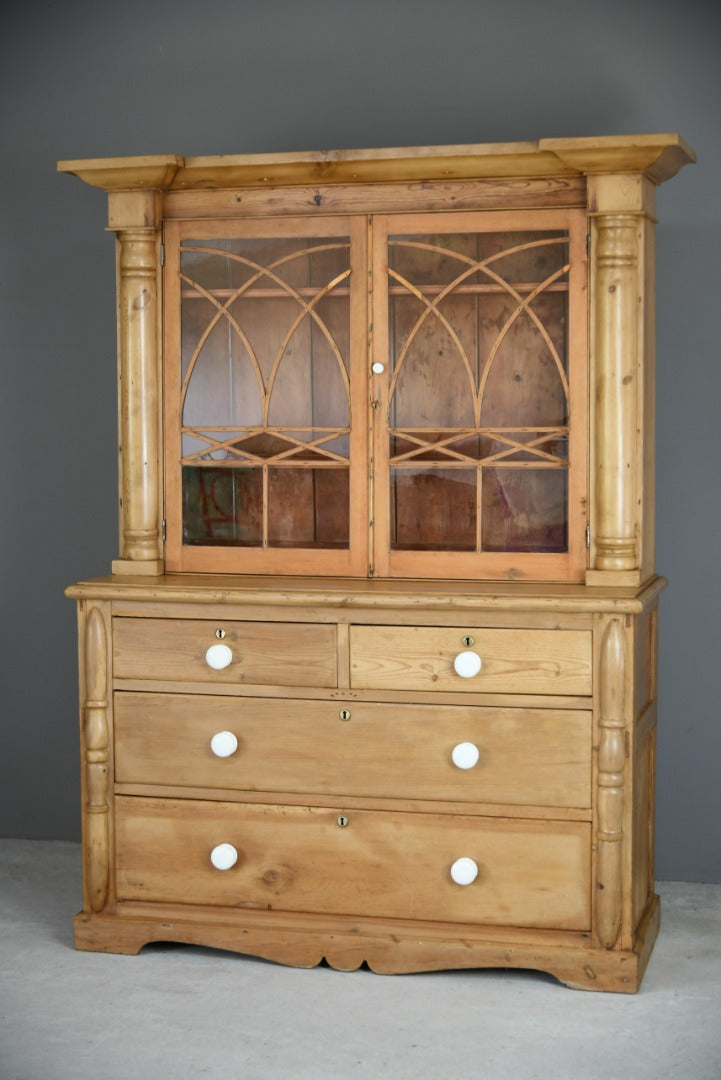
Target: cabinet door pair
{"x":397,"y":396}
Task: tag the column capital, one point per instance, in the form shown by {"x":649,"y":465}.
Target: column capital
{"x":134,"y":210}
{"x":630,"y":193}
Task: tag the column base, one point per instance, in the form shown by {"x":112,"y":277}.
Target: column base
{"x":138,"y":567}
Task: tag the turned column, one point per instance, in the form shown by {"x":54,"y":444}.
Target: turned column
{"x":134,"y":216}
{"x":622,"y":386}
{"x":616,"y":388}
{"x":611,"y":783}
{"x":95,"y":753}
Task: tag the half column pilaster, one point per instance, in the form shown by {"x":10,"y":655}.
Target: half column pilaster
{"x":134,"y":217}
{"x":622,"y":379}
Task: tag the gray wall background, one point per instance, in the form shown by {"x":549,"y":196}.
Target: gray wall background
{"x":82,"y":79}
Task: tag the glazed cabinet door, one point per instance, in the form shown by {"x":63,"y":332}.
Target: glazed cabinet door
{"x":265,"y":402}
{"x":479,"y":383}
{"x":434,"y":426}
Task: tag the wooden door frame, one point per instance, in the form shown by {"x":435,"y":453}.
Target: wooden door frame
{"x":352,"y":561}
{"x":566,"y":566}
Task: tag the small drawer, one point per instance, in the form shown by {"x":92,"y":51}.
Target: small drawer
{"x":446,"y":659}
{"x":201,"y":650}
{"x":450,"y":753}
{"x":361,"y":863}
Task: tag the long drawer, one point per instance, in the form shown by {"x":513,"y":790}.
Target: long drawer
{"x":364,"y":863}
{"x":275,"y":654}
{"x":524,"y":757}
{"x":511,"y":661}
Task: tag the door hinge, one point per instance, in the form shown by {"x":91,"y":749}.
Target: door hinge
{"x":163,"y":530}
{"x":162,"y":254}
{"x":588,"y":243}
{"x":588,"y":534}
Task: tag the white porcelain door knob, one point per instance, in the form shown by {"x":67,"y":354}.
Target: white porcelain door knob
{"x":467,"y":664}
{"x":465,"y":755}
{"x":464,"y":871}
{"x":224,"y":856}
{"x":224,"y":744}
{"x":218,"y":657}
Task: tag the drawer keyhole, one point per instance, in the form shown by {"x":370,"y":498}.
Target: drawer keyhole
{"x":467,"y":641}
{"x":344,"y":714}
{"x":342,"y":821}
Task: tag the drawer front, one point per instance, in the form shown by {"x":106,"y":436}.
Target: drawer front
{"x":529,"y":757}
{"x":394,"y":865}
{"x":512,"y":661}
{"x":274,"y":654}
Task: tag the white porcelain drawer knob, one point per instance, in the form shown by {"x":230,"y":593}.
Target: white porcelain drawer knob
{"x":218,"y":657}
{"x":467,"y":664}
{"x":465,"y":755}
{"x":464,"y":871}
{"x":224,"y":744}
{"x":224,"y":856}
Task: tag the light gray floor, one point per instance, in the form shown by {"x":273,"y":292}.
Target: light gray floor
{"x":177,"y":1012}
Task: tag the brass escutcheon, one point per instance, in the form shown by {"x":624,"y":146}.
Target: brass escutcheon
{"x":342,"y":821}
{"x":220,"y":633}
{"x":344,"y":714}
{"x":467,"y":640}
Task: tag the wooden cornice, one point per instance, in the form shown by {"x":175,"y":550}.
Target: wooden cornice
{"x":658,"y":157}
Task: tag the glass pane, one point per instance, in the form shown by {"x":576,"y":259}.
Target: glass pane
{"x":479,"y":378}
{"x":308,"y":508}
{"x":431,"y":259}
{"x":524,"y":510}
{"x":222,"y":506}
{"x":519,"y":257}
{"x":526,"y":367}
{"x":433,"y":362}
{"x":265,"y":329}
{"x":433,"y":509}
